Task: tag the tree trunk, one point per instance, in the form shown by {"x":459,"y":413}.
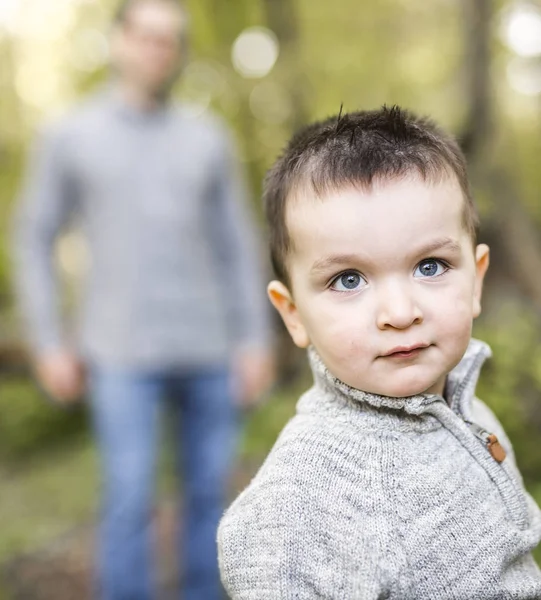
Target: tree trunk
{"x":283,"y":20}
{"x":477,"y":130}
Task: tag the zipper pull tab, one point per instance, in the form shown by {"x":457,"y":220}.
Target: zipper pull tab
{"x":495,"y":448}
{"x":492,"y":443}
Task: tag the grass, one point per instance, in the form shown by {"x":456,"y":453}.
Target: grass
{"x":49,"y":495}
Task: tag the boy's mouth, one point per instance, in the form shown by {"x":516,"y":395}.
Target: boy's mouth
{"x":405,"y":351}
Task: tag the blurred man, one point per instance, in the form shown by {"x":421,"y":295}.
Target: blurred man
{"x":173,"y":302}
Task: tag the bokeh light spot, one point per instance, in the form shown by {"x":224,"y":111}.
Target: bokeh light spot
{"x":524,"y":76}
{"x":521,"y":29}
{"x":255,"y":52}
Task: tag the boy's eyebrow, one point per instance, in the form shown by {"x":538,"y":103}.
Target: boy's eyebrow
{"x":337,"y":259}
{"x":323,"y":264}
{"x":446,"y":243}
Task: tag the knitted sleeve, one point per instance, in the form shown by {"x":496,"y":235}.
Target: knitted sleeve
{"x":47,"y":199}
{"x":307,"y":526}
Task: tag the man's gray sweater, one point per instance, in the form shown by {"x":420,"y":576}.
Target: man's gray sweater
{"x":174,"y":276}
{"x":366,"y":497}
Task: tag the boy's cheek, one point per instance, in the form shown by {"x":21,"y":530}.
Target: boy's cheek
{"x":455,"y":320}
{"x":340,"y":341}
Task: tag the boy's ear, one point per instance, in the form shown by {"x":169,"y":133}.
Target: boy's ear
{"x":482,"y":259}
{"x":283,"y":302}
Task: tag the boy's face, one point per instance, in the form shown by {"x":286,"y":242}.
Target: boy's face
{"x":384,"y":283}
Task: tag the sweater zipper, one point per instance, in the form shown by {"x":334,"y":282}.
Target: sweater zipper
{"x":514,"y":501}
{"x":490,"y":440}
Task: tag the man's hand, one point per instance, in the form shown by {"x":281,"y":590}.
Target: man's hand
{"x":61,"y":374}
{"x":254,"y":371}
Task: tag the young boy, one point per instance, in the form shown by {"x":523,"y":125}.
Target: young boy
{"x":392,"y":481}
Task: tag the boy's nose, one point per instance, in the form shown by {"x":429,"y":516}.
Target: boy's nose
{"x":397,"y":309}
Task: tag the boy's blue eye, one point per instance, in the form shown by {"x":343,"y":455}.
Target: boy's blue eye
{"x":430,"y":268}
{"x":348,"y":281}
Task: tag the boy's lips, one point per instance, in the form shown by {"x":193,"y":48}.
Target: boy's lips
{"x":405,"y":351}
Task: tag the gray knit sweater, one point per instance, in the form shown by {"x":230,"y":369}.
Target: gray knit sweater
{"x":367,"y":497}
{"x":175,"y":278}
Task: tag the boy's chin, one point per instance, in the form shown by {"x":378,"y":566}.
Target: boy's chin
{"x":402,"y":383}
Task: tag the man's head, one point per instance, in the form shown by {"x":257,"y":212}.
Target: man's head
{"x":149,"y":43}
{"x":372,"y":231}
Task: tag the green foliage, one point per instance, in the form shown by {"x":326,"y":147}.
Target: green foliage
{"x":263,"y":426}
{"x":29,"y":424}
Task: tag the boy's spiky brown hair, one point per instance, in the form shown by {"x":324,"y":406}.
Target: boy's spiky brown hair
{"x":356,"y":149}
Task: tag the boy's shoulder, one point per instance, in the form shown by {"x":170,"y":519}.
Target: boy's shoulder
{"x":314,"y":453}
{"x":313,"y":498}
{"x":327,"y":441}
{"x":314,"y":450}
{"x":330,"y":443}
{"x":320,"y":459}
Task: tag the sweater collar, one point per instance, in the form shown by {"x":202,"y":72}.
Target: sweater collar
{"x":460,"y":386}
{"x":122,"y":108}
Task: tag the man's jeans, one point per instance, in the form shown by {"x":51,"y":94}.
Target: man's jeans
{"x":126,"y":407}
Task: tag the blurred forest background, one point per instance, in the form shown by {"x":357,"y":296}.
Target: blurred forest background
{"x":268,"y":66}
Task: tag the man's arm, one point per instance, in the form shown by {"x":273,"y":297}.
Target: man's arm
{"x":47,"y":199}
{"x":236,"y":244}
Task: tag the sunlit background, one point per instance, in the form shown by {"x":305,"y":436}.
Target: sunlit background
{"x":266,"y":82}
{"x":267,"y":67}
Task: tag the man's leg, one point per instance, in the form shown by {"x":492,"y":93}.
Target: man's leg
{"x":208,"y":447}
{"x":125,"y":414}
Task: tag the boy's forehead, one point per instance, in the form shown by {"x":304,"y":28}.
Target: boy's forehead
{"x":389,"y":212}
